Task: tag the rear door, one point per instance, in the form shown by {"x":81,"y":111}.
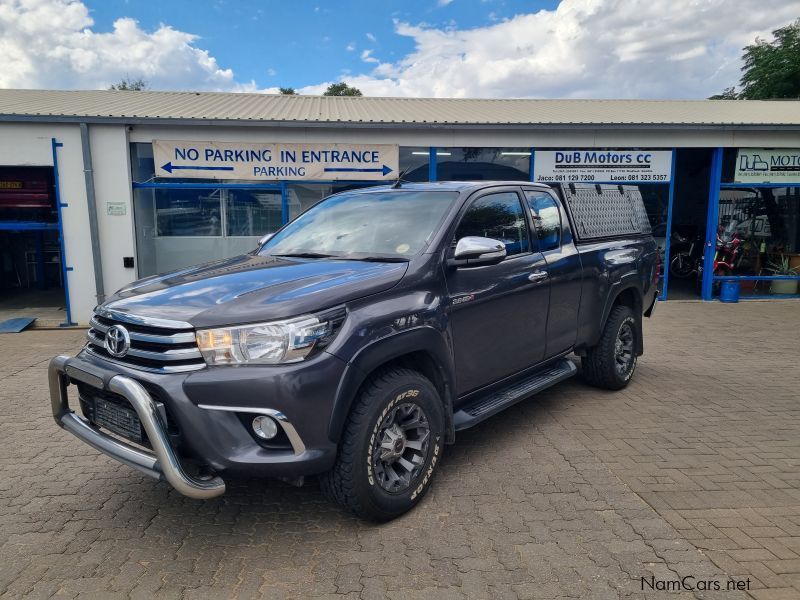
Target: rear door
{"x":563,"y":266}
{"x":498,"y":312}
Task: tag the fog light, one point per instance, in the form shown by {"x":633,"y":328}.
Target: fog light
{"x":265,"y":427}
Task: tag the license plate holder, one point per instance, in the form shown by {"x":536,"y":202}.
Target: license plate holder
{"x":117,"y":418}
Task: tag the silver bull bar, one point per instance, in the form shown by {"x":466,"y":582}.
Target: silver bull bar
{"x":162,"y":463}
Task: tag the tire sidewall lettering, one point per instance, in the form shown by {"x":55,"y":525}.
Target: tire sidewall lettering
{"x":429,"y":471}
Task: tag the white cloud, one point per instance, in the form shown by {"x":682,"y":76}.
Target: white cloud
{"x":366,"y":56}
{"x":584,"y":49}
{"x":443,"y":2}
{"x":51,"y":44}
{"x":581,"y":49}
{"x":371,"y":37}
{"x":350,"y":47}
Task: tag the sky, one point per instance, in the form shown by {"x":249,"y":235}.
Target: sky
{"x":417,"y":48}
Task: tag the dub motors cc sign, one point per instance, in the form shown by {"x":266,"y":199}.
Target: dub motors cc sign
{"x":275,"y":161}
{"x":602,"y":166}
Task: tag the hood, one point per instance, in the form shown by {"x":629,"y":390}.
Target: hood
{"x":249,"y":289}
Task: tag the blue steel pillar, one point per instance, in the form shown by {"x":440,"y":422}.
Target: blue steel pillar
{"x":65,"y":270}
{"x":712,"y":218}
{"x":532,"y":163}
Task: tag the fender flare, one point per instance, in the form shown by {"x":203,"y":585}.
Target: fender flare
{"x":614,"y":292}
{"x":379,"y":352}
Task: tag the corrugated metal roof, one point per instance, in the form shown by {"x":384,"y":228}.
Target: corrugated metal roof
{"x":207,"y":106}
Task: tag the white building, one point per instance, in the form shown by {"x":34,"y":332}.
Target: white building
{"x":146,"y":186}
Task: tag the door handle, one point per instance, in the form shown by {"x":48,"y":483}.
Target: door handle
{"x":537,"y":276}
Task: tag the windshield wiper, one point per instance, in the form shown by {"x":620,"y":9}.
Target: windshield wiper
{"x":304,"y":255}
{"x":387,"y":259}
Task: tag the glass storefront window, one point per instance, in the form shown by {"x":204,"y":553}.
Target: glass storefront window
{"x":188,"y":213}
{"x":758,"y":233}
{"x":414,"y":163}
{"x":483,"y":164}
{"x":303,"y":196}
{"x":142,"y":165}
{"x":177,"y":228}
{"x":252,"y":212}
{"x":758,"y":227}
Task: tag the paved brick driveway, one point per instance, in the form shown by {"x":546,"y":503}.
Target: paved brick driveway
{"x":692,"y":470}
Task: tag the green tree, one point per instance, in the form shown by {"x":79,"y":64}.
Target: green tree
{"x":727,"y":94}
{"x":771,"y":70}
{"x":287,"y":91}
{"x":130,"y":85}
{"x":342,"y":89}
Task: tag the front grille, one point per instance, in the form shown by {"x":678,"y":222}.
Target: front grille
{"x":152,"y":347}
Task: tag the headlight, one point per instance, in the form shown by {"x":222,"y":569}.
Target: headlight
{"x":272,"y":343}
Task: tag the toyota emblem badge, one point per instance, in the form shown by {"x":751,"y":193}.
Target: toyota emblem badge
{"x":118,"y":341}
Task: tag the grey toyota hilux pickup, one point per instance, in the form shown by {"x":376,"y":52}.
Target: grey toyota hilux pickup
{"x":357,"y":340}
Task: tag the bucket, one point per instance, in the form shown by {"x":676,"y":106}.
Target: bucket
{"x":729,"y":291}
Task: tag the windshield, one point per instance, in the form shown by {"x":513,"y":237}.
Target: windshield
{"x":391,"y":224}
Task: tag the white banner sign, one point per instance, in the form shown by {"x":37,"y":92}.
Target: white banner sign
{"x":623,"y":166}
{"x":758,"y":165}
{"x":275,"y":161}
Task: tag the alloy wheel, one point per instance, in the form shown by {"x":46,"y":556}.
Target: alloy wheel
{"x":401,"y":447}
{"x":623,"y":349}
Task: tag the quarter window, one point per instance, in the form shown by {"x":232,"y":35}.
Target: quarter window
{"x":546,"y":218}
{"x":500,"y":217}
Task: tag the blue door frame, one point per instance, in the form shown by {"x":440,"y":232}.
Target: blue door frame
{"x":65,"y":270}
{"x":712,"y":216}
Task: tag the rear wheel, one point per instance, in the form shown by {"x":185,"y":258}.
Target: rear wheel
{"x":390,"y":447}
{"x":680,"y":265}
{"x":611,"y":363}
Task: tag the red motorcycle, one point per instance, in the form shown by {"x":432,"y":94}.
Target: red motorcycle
{"x":727,"y":254}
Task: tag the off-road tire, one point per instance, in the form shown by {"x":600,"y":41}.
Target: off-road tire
{"x":599,"y":366}
{"x":353,"y":483}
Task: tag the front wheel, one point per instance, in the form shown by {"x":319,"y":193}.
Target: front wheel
{"x":390,"y":447}
{"x":611,"y":363}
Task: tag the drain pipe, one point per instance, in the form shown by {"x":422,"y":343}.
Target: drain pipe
{"x":91,"y":201}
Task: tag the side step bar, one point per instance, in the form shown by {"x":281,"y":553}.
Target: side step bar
{"x":484,"y":407}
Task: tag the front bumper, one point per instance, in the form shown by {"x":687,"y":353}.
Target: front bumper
{"x":201,"y":418}
{"x":162,"y":463}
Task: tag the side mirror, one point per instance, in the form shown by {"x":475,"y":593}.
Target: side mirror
{"x":473,"y":251}
{"x":265,"y":239}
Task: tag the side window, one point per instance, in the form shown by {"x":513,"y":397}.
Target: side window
{"x":547,"y":219}
{"x":500,"y":217}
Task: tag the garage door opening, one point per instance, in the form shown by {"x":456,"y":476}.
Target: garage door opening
{"x":31,"y":275}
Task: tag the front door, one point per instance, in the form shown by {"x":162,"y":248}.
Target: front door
{"x":564,"y":268}
{"x":498,"y":312}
